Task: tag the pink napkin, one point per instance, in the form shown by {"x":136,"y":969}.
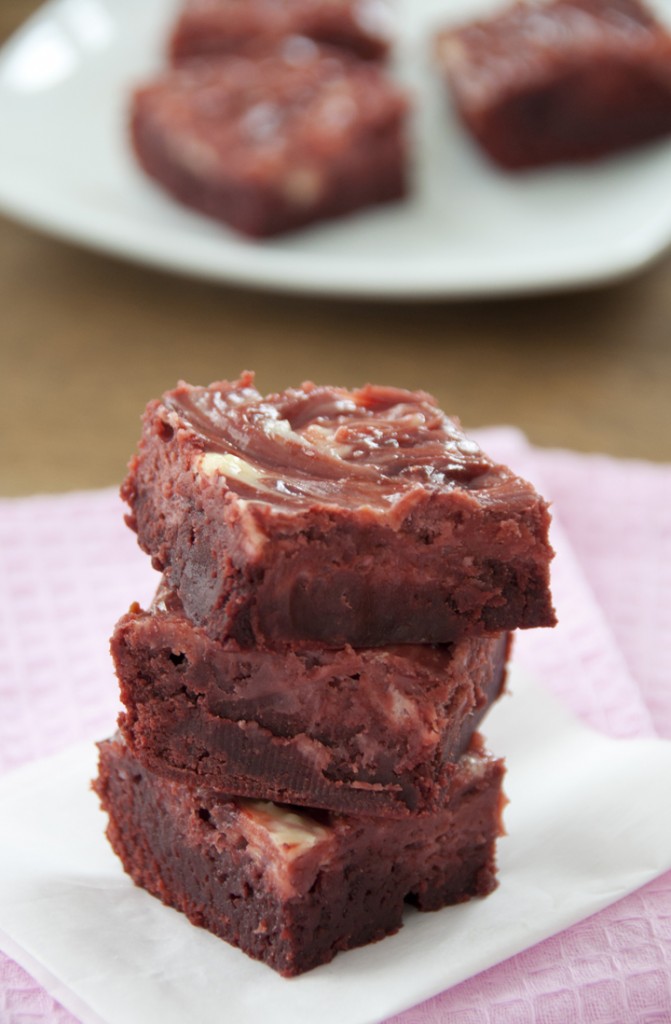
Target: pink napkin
{"x":69,"y":568}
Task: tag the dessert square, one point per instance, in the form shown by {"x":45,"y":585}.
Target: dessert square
{"x":268,"y":144}
{"x":362,"y":517}
{"x":569,"y":80}
{"x":294,"y":888}
{"x":208,"y":28}
{"x":372,"y":731}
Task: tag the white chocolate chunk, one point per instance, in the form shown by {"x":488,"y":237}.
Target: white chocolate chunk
{"x":292,"y":832}
{"x":322,"y":438}
{"x":280,"y":428}
{"x":253,"y":538}
{"x":315,"y":436}
{"x":213,"y":464}
{"x":303,"y":186}
{"x":401,"y":707}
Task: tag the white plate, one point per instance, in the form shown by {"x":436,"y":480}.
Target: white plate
{"x":65,"y":167}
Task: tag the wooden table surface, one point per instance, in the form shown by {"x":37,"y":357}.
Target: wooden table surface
{"x":87,"y":340}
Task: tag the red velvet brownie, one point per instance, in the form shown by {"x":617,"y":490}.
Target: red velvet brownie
{"x":218,"y":27}
{"x":273,"y":143}
{"x":563,"y":81}
{"x":294,"y":888}
{"x":361,"y":517}
{"x":372,"y":731}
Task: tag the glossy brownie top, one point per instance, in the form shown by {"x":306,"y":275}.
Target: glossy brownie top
{"x":372,"y":446}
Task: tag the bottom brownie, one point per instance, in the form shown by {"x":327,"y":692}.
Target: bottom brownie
{"x":289,"y":887}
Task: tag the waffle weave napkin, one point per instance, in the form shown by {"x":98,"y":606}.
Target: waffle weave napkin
{"x":69,"y":568}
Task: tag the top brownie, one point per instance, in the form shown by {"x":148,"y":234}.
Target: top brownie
{"x":565,"y":80}
{"x":207,"y":28}
{"x":362,"y":517}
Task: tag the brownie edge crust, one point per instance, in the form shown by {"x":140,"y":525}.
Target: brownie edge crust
{"x":362,"y":517}
{"x":293,"y":889}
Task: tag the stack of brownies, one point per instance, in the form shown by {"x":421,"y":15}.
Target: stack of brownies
{"x":341,"y":572}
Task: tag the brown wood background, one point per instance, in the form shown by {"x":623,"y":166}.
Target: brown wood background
{"x":86,"y":340}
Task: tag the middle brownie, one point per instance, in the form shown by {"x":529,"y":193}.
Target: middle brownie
{"x":371,"y":731}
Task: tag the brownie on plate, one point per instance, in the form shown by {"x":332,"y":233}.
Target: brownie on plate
{"x":216,"y":27}
{"x":292,"y":888}
{"x":362,"y":517}
{"x":568,"y":80}
{"x":271,"y":143}
{"x":372,"y":731}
